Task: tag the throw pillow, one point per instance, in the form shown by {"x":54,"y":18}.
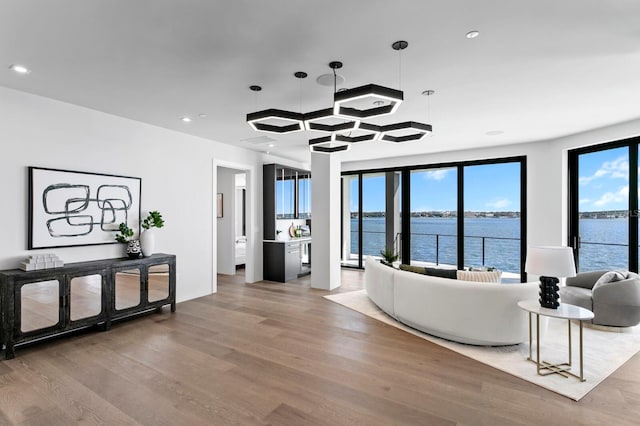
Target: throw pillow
{"x":412,"y":268}
{"x":482,"y":277}
{"x":612,"y":276}
{"x":442,"y":273}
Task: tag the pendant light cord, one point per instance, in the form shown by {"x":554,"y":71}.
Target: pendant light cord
{"x":400,"y":69}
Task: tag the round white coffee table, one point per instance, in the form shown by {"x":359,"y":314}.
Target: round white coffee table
{"x":564,"y":311}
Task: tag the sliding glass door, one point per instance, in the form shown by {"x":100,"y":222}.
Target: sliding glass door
{"x":371,"y":215}
{"x":604,"y":206}
{"x":492,"y":211}
{"x":434,"y":216}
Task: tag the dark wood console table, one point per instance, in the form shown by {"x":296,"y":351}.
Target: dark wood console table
{"x":50,"y":302}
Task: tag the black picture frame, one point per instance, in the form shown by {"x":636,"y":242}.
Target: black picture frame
{"x":69,"y":208}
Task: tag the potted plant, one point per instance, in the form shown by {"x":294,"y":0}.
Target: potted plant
{"x":388,"y":256}
{"x":148,"y":239}
{"x":124,"y":236}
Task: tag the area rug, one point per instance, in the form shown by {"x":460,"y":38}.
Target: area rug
{"x":604,"y":351}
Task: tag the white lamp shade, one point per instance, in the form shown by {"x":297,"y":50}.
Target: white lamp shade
{"x":550,"y":261}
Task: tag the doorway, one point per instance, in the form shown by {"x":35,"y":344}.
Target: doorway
{"x":232,"y":212}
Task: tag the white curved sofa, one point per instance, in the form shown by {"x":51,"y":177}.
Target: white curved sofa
{"x":463,"y":311}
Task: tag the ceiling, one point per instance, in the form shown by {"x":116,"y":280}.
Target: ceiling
{"x":539,"y":69}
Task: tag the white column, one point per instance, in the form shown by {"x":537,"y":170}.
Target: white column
{"x":325,"y":223}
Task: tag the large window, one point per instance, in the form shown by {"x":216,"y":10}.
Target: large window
{"x":492,"y":216}
{"x":434,"y":214}
{"x":458,"y":214}
{"x":604,"y":206}
{"x":372,"y":221}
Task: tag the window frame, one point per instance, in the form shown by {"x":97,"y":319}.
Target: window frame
{"x":405,"y":172}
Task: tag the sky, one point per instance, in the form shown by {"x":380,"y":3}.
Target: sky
{"x":604,"y":180}
{"x":491,"y":187}
{"x":603,"y":185}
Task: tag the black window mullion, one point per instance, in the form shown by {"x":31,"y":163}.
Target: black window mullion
{"x":360,"y":225}
{"x":523,"y":219}
{"x":460,"y":217}
{"x":633,"y":207}
{"x":406,"y":216}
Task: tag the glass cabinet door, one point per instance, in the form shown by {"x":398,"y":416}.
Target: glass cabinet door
{"x":158,"y":282}
{"x":39,"y":305}
{"x":127,"y":288}
{"x":85,"y":297}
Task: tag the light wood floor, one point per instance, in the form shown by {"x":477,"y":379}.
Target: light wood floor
{"x":280,"y":354}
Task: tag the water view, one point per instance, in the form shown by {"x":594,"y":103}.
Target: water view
{"x":603,"y":241}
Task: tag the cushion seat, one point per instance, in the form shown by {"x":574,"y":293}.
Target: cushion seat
{"x":577,"y":296}
{"x":613,"y":296}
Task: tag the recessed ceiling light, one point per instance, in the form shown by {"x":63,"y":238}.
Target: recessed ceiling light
{"x":202,"y":115}
{"x":473,"y":34}
{"x":20,"y":69}
{"x":494,"y":132}
{"x":271,"y":145}
{"x":186,"y":119}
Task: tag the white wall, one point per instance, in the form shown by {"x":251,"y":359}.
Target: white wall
{"x":547,"y":181}
{"x":177,"y":172}
{"x":226,"y":224}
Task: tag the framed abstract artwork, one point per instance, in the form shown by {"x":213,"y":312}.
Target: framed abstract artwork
{"x":70,"y":208}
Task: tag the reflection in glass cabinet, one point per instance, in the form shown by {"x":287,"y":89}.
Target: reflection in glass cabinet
{"x":158,"y":282}
{"x":285,"y":193}
{"x":304,"y":196}
{"x":40,"y":305}
{"x":86,"y":296}
{"x":127,"y":288}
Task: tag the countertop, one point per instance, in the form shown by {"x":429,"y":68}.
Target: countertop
{"x":291,"y":240}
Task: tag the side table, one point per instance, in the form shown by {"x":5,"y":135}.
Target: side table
{"x":564,"y":311}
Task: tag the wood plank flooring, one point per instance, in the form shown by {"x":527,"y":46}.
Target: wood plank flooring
{"x":280,"y":354}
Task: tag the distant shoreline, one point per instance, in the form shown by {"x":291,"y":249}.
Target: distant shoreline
{"x":606,"y":214}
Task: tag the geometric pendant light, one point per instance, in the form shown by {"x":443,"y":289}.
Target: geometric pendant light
{"x":343,"y":123}
{"x":345,"y":102}
{"x":287,"y":121}
{"x":275,"y":120}
{"x":403,"y":132}
{"x":329,"y":144}
{"x":326,"y":120}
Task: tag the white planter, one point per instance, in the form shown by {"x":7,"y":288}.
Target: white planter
{"x":148,"y":242}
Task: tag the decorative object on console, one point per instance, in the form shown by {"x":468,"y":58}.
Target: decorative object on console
{"x":147,"y":238}
{"x":71,"y":208}
{"x":124,"y":236}
{"x":550,"y":262}
{"x":41,"y":261}
{"x":134,"y":251}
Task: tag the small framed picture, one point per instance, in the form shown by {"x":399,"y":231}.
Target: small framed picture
{"x":219,"y":205}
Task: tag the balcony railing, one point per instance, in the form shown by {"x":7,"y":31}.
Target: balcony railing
{"x":378,"y":243}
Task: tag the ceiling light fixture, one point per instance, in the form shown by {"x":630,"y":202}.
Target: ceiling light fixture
{"x":328,"y":144}
{"x":326,"y":120}
{"x":186,"y":119}
{"x":343,"y":121}
{"x":472,"y":34}
{"x":404,"y":132}
{"x":274,"y":120}
{"x":20,"y":69}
